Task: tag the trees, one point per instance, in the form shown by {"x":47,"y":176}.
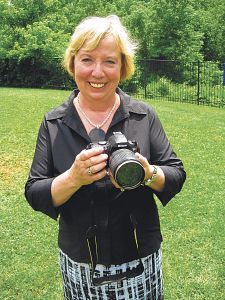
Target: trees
{"x":32,"y":29}
{"x":168,"y":29}
{"x":176,"y":34}
{"x":214,"y":31}
{"x":187,"y":30}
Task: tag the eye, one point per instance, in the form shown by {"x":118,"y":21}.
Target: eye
{"x":86,"y":60}
{"x":111,"y":62}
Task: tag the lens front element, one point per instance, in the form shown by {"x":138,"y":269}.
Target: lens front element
{"x":126,"y":168}
{"x":129,"y":175}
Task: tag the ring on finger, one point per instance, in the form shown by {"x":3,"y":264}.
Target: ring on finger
{"x":89,"y":171}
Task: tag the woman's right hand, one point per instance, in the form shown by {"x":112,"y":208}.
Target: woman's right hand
{"x":89,"y":166}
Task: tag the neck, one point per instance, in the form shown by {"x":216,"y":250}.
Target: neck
{"x":96,"y":118}
{"x":97,"y":105}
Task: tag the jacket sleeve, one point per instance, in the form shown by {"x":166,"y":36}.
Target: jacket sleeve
{"x":38,"y":185}
{"x":162,"y":154}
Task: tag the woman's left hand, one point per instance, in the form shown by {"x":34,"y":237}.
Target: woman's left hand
{"x":147,"y":167}
{"x":159,"y":183}
{"x":113,"y":180}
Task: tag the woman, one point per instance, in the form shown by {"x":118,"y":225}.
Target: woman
{"x":109,"y":238}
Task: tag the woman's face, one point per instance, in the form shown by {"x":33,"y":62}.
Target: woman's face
{"x":97,"y":72}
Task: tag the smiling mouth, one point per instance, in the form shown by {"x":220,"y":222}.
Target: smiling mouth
{"x":97,"y":85}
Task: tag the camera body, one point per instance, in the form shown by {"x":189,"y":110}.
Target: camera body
{"x":127,"y":171}
{"x":116,"y":141}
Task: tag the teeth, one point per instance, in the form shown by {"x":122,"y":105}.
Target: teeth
{"x":97,"y":85}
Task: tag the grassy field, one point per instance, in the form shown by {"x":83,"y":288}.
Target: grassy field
{"x":192,"y":223}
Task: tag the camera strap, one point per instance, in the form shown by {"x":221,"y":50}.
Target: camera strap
{"x":91,"y":236}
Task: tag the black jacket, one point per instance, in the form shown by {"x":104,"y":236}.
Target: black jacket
{"x":61,"y":137}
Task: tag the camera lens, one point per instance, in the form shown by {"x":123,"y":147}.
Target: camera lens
{"x":126,"y":169}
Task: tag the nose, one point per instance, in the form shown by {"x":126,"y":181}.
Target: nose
{"x":97,"y":71}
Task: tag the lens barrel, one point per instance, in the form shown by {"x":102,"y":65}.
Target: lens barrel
{"x":126,"y":169}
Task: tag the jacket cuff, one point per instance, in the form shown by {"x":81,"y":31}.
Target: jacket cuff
{"x":40,"y":198}
{"x":174,"y":179}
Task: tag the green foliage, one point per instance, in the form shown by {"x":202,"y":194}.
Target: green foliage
{"x":182,"y":30}
{"x":192,"y":223}
{"x":163,"y":86}
{"x":33,"y":29}
{"x":213,"y":28}
{"x":39,"y":31}
{"x":183,"y":92}
{"x":176,"y":34}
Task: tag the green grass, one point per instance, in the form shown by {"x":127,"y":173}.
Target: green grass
{"x":192,"y":223}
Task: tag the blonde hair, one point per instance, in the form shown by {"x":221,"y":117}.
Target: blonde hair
{"x":91,"y":31}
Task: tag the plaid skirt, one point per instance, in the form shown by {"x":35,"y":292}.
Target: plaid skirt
{"x":78,"y":285}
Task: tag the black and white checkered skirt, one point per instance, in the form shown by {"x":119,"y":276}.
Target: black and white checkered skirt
{"x":78,"y":285}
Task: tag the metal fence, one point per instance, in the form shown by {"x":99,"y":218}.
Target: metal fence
{"x":196,"y":82}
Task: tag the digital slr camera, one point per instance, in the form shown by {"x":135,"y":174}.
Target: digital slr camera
{"x":126,"y":169}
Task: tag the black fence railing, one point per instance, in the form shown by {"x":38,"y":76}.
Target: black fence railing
{"x":196,"y":82}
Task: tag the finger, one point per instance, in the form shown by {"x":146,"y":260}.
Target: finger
{"x":97,"y":167}
{"x":95,"y":176}
{"x":86,"y":154}
{"x":113,"y":180}
{"x":146,"y":165}
{"x":101,"y":174}
{"x":143,"y":160}
{"x":98,"y":159}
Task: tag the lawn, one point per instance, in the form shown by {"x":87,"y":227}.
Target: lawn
{"x":192,"y":223}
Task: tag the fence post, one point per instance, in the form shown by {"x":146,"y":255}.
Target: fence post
{"x":198,"y":91}
{"x":145,"y":79}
